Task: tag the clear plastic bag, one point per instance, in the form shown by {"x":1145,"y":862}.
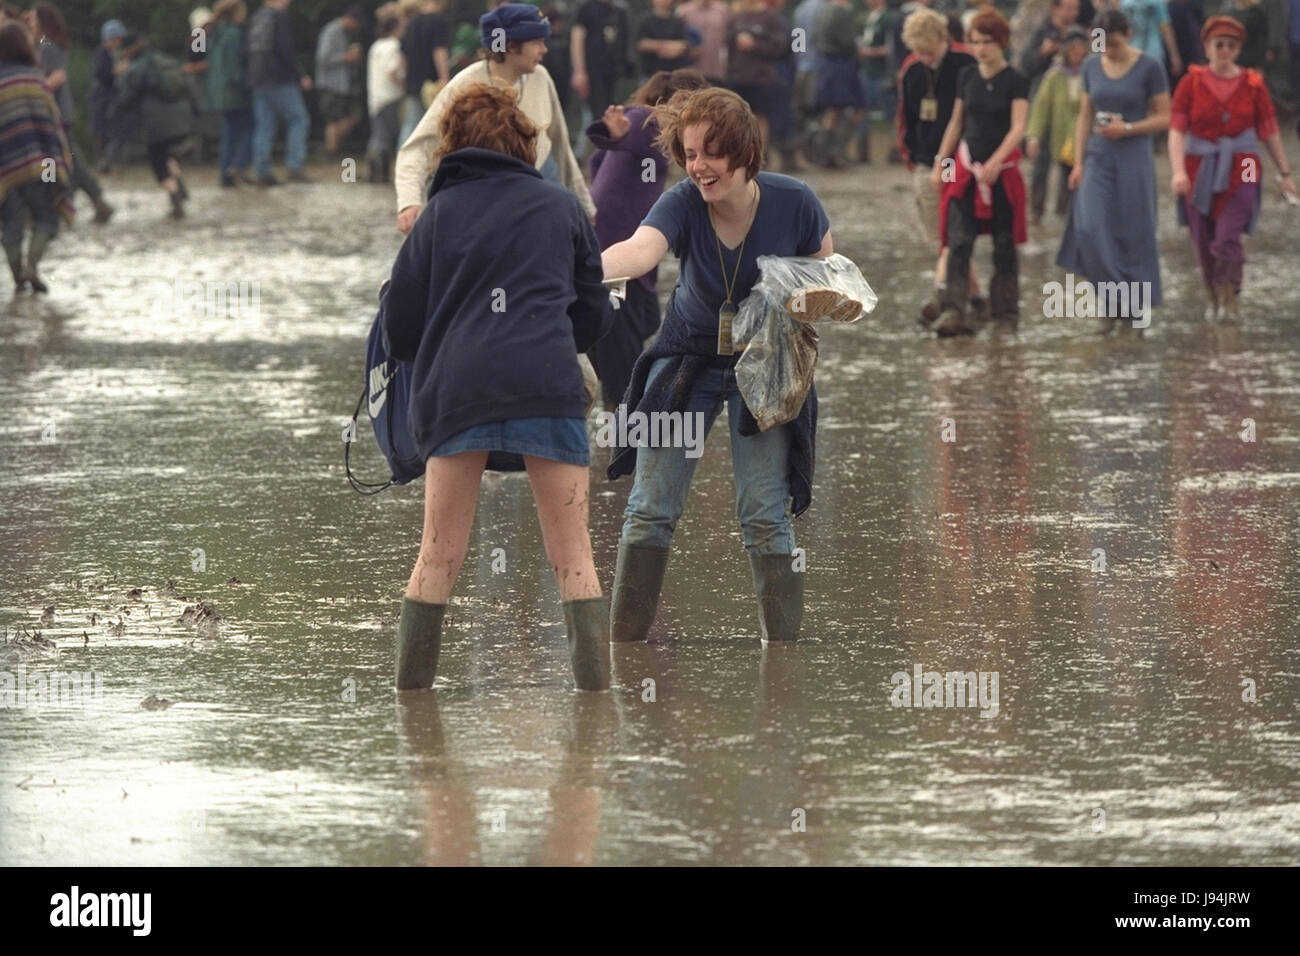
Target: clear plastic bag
{"x":774,"y":323}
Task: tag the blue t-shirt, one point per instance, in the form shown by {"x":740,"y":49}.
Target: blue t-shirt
{"x":789,"y":221}
{"x":1145,"y":18}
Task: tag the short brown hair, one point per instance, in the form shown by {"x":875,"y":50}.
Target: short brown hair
{"x":992,"y":24}
{"x":733,"y":130}
{"x":663,"y":84}
{"x":488,"y":117}
{"x":16,"y":44}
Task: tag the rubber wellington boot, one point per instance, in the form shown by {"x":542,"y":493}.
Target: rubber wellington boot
{"x":1211,"y":304}
{"x":638,"y":579}
{"x":15,"y":256}
{"x":587,"y":622}
{"x":40,"y":241}
{"x":953,"y":319}
{"x":419,"y":638}
{"x":780,"y":596}
{"x":1004,"y":298}
{"x":1229,"y":309}
{"x":932,"y":306}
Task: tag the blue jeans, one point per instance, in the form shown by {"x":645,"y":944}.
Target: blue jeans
{"x":270,"y":105}
{"x":235,"y":150}
{"x":412,"y":112}
{"x":759,"y":463}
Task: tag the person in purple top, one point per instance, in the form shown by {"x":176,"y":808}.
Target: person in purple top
{"x":627,"y":175}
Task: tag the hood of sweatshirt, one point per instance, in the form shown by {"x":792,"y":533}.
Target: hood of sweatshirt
{"x":465,"y":165}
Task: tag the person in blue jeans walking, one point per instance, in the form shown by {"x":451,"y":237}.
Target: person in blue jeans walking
{"x":718,"y":221}
{"x":277,"y":92}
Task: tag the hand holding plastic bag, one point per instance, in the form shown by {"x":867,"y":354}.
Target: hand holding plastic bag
{"x":774,"y":322}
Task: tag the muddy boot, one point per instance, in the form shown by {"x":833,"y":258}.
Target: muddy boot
{"x":103,"y":211}
{"x":1004,"y":298}
{"x":790,"y":160}
{"x":35,"y":252}
{"x":1211,"y":304}
{"x":1229,"y":308}
{"x":587,"y":622}
{"x":638,"y":579}
{"x":816,"y":148}
{"x":932,"y":306}
{"x":419,"y":637}
{"x":979,"y":309}
{"x":15,"y":256}
{"x":836,"y":142}
{"x":780,"y":596}
{"x":952,"y":318}
{"x":864,"y":145}
{"x":178,"y":204}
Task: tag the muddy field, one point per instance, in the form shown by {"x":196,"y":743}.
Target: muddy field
{"x":1102,"y":534}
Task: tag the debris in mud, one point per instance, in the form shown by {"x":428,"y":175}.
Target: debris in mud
{"x":94,"y":618}
{"x":47,"y":617}
{"x":169,"y":586}
{"x":154,"y":702}
{"x":135,"y":594}
{"x":118,"y":629}
{"x":27,"y":646}
{"x":203,"y":617}
{"x":234,"y":581}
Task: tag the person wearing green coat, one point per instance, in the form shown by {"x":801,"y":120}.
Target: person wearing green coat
{"x":1054,"y":113}
{"x":228,"y":93}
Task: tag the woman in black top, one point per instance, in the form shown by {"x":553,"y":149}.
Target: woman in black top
{"x":977,"y":173}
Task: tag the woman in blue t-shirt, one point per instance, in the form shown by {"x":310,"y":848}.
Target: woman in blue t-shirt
{"x":717,"y":221}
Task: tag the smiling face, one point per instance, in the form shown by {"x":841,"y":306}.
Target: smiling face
{"x":709,"y":171}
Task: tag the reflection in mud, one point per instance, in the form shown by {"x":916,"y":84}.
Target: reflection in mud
{"x":1080,"y":516}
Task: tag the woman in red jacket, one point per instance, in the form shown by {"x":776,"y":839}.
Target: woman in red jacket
{"x":1220,"y":114}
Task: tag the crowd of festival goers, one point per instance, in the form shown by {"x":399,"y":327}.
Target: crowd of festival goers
{"x":971,"y":92}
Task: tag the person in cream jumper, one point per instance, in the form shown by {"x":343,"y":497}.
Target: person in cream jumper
{"x":514,"y":41}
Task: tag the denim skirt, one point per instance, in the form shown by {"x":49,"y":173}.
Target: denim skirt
{"x":559,"y":439}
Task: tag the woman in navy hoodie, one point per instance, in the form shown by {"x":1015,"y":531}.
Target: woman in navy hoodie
{"x":493,"y":295}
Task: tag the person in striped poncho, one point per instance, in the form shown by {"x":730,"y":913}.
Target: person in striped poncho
{"x":35,"y":163}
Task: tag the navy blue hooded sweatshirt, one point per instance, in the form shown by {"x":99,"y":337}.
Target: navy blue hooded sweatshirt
{"x":493,"y":295}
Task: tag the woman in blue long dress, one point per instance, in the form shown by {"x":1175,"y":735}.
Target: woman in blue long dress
{"x":1110,"y":234}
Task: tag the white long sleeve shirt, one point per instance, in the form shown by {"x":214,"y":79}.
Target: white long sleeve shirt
{"x":540,"y":103}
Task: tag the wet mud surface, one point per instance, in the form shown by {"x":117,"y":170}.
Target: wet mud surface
{"x":176,"y":521}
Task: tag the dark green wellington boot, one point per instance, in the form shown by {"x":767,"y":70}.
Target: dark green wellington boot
{"x":419,"y":637}
{"x":587,"y":622}
{"x":780,"y":596}
{"x":638,"y":579}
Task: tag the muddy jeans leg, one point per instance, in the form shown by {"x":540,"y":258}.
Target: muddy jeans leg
{"x":1004,"y":288}
{"x":961,"y":240}
{"x":663,"y":475}
{"x":760,"y":464}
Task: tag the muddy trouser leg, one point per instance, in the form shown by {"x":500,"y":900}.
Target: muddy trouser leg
{"x":1063,"y":189}
{"x":1040,"y":176}
{"x":656,"y":502}
{"x":14,"y":215}
{"x":961,"y":242}
{"x":83,"y":177}
{"x":1004,"y":289}
{"x":761,"y":465}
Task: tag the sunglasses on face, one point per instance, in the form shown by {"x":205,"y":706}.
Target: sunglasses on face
{"x":1224,"y":43}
